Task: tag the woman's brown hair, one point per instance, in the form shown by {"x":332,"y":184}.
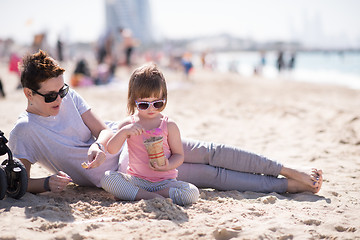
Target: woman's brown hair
{"x":37,"y":68}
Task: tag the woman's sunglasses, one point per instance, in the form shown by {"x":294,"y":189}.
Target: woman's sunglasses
{"x":145,"y":105}
{"x":50,"y":97}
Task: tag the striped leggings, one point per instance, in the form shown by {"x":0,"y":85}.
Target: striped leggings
{"x":125,"y":187}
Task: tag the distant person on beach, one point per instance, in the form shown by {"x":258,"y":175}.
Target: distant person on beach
{"x":14,"y":66}
{"x":39,"y":42}
{"x":59,"y":131}
{"x":105,"y":46}
{"x":280,"y":64}
{"x":128,"y":44}
{"x":258,"y":69}
{"x":144,"y":180}
{"x":81,"y":76}
{"x":60,"y":50}
{"x":292,"y":61}
{"x":203,"y":59}
{"x":2,"y":91}
{"x":187,"y":64}
{"x":263,"y":58}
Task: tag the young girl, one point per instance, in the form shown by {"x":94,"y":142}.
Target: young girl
{"x":148,"y":93}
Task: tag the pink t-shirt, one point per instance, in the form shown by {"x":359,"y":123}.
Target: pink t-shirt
{"x":138,"y":156}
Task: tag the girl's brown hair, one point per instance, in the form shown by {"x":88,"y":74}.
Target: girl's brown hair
{"x":145,"y":82}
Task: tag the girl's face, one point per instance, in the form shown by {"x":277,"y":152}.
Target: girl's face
{"x":53,"y":89}
{"x":149,"y":107}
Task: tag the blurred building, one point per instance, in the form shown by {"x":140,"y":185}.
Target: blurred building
{"x":132,"y":14}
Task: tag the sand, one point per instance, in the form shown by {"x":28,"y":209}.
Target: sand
{"x":298,"y":124}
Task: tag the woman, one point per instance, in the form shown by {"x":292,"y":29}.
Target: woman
{"x":60,"y":131}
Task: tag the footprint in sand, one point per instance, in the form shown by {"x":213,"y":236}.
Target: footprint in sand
{"x":269,"y":199}
{"x":335,"y":194}
{"x":286,"y":237}
{"x":224,"y":234}
{"x":312,"y":222}
{"x":345,"y":229}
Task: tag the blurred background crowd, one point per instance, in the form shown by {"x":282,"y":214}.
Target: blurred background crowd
{"x":304,"y":39}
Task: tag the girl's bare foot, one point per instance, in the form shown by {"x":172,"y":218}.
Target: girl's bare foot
{"x":312,"y":181}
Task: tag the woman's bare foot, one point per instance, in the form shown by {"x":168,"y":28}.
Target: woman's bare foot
{"x":312,"y":181}
{"x":319,"y":177}
{"x":295,"y":186}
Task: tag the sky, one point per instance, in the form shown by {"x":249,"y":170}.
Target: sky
{"x":331,"y":22}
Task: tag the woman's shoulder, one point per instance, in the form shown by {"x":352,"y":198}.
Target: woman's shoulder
{"x":22,"y":120}
{"x":73,"y":94}
{"x":22,"y":124}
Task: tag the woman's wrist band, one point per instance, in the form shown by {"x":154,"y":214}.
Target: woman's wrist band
{"x":46,"y":184}
{"x":101,"y":147}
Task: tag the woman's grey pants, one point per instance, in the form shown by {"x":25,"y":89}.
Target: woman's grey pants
{"x":210,"y":165}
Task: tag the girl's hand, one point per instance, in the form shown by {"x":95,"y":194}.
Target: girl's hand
{"x":156,"y":167}
{"x":133,"y":129}
{"x":57,"y":183}
{"x":96,"y":156}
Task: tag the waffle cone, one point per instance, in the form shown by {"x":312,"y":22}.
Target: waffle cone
{"x":154,"y":147}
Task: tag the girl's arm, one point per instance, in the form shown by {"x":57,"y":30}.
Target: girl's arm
{"x":175,"y":144}
{"x":126,"y":129}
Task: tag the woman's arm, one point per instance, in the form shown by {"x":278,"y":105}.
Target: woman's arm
{"x":55,"y":183}
{"x":97,"y":151}
{"x":97,"y":127}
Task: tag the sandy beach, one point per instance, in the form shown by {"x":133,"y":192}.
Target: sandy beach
{"x":298,"y":124}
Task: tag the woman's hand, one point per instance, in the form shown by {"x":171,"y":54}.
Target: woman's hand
{"x":96,"y":156}
{"x":58,"y":183}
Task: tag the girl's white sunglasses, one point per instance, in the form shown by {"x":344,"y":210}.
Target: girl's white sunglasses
{"x":145,"y":105}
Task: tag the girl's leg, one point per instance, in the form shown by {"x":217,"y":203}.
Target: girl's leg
{"x":206,"y":176}
{"x":229,"y":157}
{"x":183,"y":193}
{"x":119,"y":185}
{"x":122,"y":187}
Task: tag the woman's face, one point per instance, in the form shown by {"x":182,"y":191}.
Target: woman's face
{"x":37,"y":104}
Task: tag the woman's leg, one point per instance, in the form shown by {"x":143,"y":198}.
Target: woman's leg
{"x":206,"y":176}
{"x":218,"y":156}
{"x":229,"y":157}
